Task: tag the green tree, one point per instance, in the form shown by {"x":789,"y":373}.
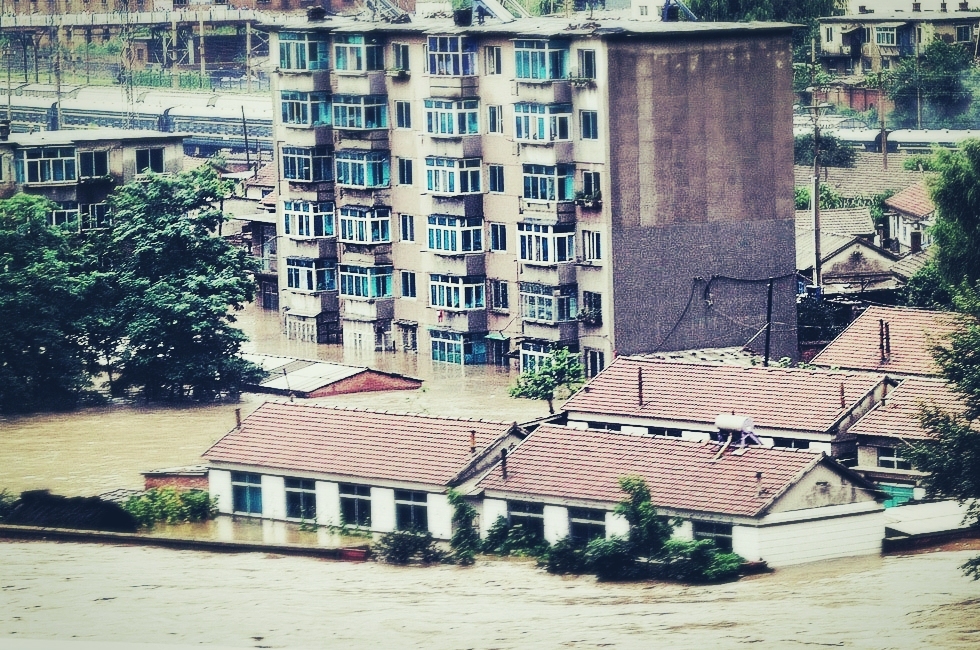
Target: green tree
{"x":956,"y":233}
{"x":180,"y":286}
{"x":833,"y":152}
{"x":648,"y":530}
{"x":560,"y":370}
{"x":465,"y":541}
{"x":44,"y":289}
{"x":937,"y":78}
{"x":928,"y":290}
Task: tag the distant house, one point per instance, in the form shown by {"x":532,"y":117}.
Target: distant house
{"x":895,"y":340}
{"x":905,"y":267}
{"x":308,"y":378}
{"x":850,"y":264}
{"x":77,"y":169}
{"x":910,"y":214}
{"x":883,"y":435}
{"x":867,"y":178}
{"x":790,"y":407}
{"x":853,"y":222}
{"x":374,"y":470}
{"x":777,"y":505}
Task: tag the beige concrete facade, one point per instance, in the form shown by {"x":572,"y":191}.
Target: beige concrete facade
{"x":542,"y":157}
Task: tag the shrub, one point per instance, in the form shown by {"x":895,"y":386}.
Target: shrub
{"x":648,"y":530}
{"x":465,"y":541}
{"x":506,"y":539}
{"x":698,"y":561}
{"x":496,"y":536}
{"x":7,"y":503}
{"x":612,"y":558}
{"x":171,"y":505}
{"x":564,"y":556}
{"x":404,"y":546}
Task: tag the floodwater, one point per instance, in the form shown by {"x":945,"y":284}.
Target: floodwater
{"x":100,"y":449}
{"x":89,"y":592}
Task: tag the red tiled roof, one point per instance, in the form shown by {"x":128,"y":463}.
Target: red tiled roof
{"x":898,"y":415}
{"x":355,"y":442}
{"x":586,"y":464}
{"x":912,"y":333}
{"x":866,"y":178}
{"x":914,"y":201}
{"x":775,"y":398}
{"x":266,"y":176}
{"x":839,"y":221}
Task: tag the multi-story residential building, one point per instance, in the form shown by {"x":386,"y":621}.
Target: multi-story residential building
{"x":78,"y":169}
{"x":481,"y":193}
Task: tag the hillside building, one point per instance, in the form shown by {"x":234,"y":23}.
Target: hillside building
{"x":481,"y":193}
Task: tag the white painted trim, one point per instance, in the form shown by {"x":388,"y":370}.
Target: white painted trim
{"x":816,"y":514}
{"x":382,"y":509}
{"x":556,"y":524}
{"x":219,"y":487}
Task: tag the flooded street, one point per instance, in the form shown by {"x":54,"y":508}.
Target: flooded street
{"x":89,"y":592}
{"x":99,"y":449}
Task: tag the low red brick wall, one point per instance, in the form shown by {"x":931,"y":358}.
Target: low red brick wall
{"x":179,"y":482}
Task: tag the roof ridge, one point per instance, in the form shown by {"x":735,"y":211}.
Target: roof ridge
{"x":363,"y":409}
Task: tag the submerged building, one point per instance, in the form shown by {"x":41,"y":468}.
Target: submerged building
{"x":481,"y":193}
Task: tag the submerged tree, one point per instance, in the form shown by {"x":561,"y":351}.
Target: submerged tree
{"x":560,"y":370}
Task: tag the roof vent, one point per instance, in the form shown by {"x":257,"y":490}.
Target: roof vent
{"x":316,"y":14}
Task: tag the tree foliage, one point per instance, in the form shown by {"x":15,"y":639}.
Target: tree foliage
{"x":833,"y":152}
{"x":147,"y":301}
{"x":465,"y":541}
{"x":560,"y":370}
{"x":940,"y":78}
{"x":956,"y":233}
{"x":648,"y":530}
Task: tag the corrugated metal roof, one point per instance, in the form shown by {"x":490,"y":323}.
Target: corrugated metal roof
{"x":300,"y":375}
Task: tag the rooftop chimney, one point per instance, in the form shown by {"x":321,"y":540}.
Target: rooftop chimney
{"x":503,"y":463}
{"x":639,"y":384}
{"x":916,"y":6}
{"x":472,"y":441}
{"x":316,"y":14}
{"x":238,"y":418}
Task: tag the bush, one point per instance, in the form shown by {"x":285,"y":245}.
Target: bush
{"x":171,"y":505}
{"x":465,"y":541}
{"x":563,"y":557}
{"x":698,"y":561}
{"x":7,"y":503}
{"x":404,"y":546}
{"x":506,"y":539}
{"x":612,"y":558}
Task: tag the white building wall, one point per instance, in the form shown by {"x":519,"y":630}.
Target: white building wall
{"x":745,"y":542}
{"x":684,"y":532}
{"x":616,"y":525}
{"x":327,"y":503}
{"x":382,"y":509}
{"x":555,"y":523}
{"x":822,"y":539}
{"x":440,"y":516}
{"x":492,"y":510}
{"x":273,"y":497}
{"x":219,"y":487}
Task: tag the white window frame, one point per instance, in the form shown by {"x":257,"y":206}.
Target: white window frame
{"x":498,"y":238}
{"x":46,"y":165}
{"x":499,"y":295}
{"x":885,"y":36}
{"x":451,"y":56}
{"x":308,"y":275}
{"x":495,"y":119}
{"x":542,"y":122}
{"x":492,"y":56}
{"x":495,"y":179}
{"x":457,"y":293}
{"x":364,"y":225}
{"x":452,"y":118}
{"x":357,"y":53}
{"x":589,"y":125}
{"x":891,"y":458}
{"x":542,"y":244}
{"x":453,"y":176}
{"x":591,"y":245}
{"x":305,"y":109}
{"x":532,"y":354}
{"x":406,"y":227}
{"x":308,"y":219}
{"x":366,"y":282}
{"x":64,"y":214}
{"x":400,"y":54}
{"x":307,"y":164}
{"x":545,"y":183}
{"x":547,"y":304}
{"x":360,"y":112}
{"x":540,"y":60}
{"x":586,"y":64}
{"x":454,"y":235}
{"x":362,"y":168}
{"x":403,"y":114}
{"x":303,"y":51}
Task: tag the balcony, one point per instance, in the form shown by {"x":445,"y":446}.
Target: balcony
{"x":545,"y":91}
{"x":311,"y":303}
{"x":556,"y":274}
{"x":366,"y":310}
{"x":366,"y":254}
{"x":550,"y":331}
{"x":454,"y":87}
{"x":365,"y":82}
{"x":352,"y":138}
{"x":267,"y":265}
{"x":316,"y":247}
{"x":472,"y":320}
{"x":447,"y":263}
{"x":548,"y":212}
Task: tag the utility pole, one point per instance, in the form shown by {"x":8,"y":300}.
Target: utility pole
{"x":815,"y":110}
{"x":248,"y":56}
{"x":881,"y":120}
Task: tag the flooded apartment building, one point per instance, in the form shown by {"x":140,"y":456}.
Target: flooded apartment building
{"x":481,"y":193}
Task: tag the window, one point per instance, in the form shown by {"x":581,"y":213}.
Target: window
{"x":93,"y":163}
{"x":541,"y":60}
{"x":303,"y":51}
{"x":399,"y":53}
{"x":307,"y":163}
{"x":586,"y":64}
{"x":94,"y":216}
{"x":532,"y":354}
{"x":300,"y":498}
{"x":594,"y":362}
{"x":891,"y":458}
{"x":644,"y":10}
{"x":360,"y":112}
{"x":591,"y":313}
{"x":529,"y":516}
{"x":546,"y":183}
{"x":49,"y":164}
{"x":306,"y":274}
{"x":444,"y":117}
{"x":452,"y":176}
{"x":498,"y":237}
{"x":407,"y":232}
{"x":546,"y":244}
{"x":64,"y":214}
{"x":408,"y":284}
{"x":586,"y":524}
{"x":540,"y":302}
{"x":591,"y":187}
{"x":411,"y":510}
{"x":590,"y":125}
{"x":303,"y":219}
{"x":828,"y":34}
{"x":365,"y":281}
{"x":362,"y":225}
{"x":356,"y":52}
{"x":542,"y":122}
{"x":496,"y":178}
{"x":451,"y":234}
{"x":865,"y":34}
{"x":355,"y":505}
{"x":494,"y":62}
{"x":791,"y":443}
{"x":498,"y":295}
{"x":405,"y":176}
{"x":456,"y":292}
{"x":246,"y":493}
{"x":454,"y":347}
{"x":964,"y":34}
{"x":495,"y":119}
{"x":305,"y":109}
{"x":720,"y":534}
{"x":362,"y":168}
{"x":591,"y":245}
{"x":452,"y":56}
{"x":885,"y":35}
{"x":403,"y":115}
